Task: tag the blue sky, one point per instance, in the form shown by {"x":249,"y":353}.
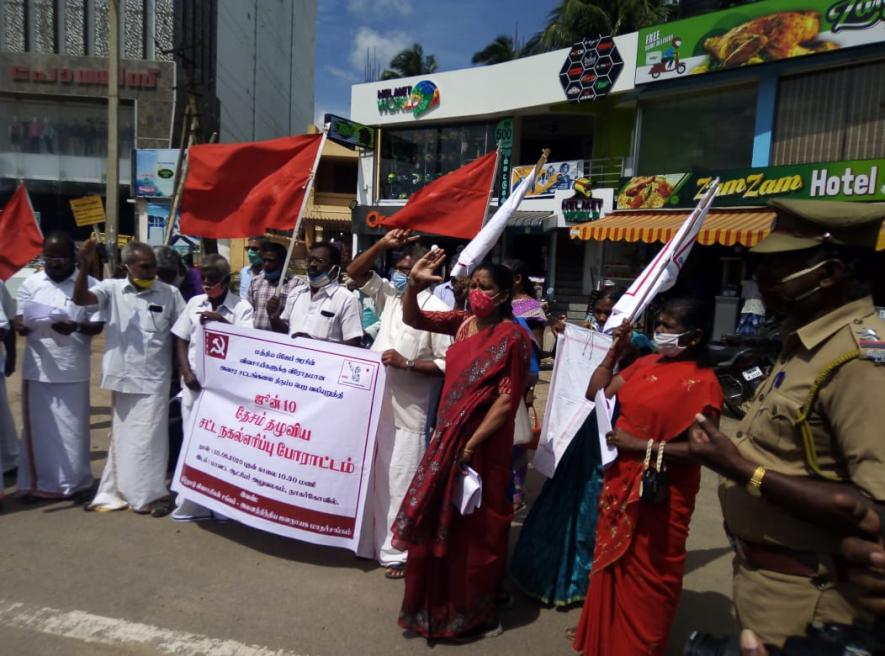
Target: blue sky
{"x":450,"y":29}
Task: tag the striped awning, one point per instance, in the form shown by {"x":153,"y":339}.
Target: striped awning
{"x":726,"y":227}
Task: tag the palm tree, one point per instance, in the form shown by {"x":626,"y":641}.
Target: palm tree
{"x":410,"y":62}
{"x":505,"y":48}
{"x":574,"y":20}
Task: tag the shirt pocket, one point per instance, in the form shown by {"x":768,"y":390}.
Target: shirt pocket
{"x":153,"y":322}
{"x":774,"y":426}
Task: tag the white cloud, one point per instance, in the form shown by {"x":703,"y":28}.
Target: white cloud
{"x":378,"y":45}
{"x":342,"y":73}
{"x":380,"y":7}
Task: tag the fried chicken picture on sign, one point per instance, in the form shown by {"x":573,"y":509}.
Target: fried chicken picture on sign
{"x":781,"y":35}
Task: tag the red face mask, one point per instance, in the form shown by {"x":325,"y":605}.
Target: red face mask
{"x":481,"y":303}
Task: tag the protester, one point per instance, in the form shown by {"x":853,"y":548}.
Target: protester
{"x":639,"y":556}
{"x":552,"y":558}
{"x":453,"y":293}
{"x":264,"y":287}
{"x":173,"y":271}
{"x":9,"y":448}
{"x":218,"y":303}
{"x":323,"y":309}
{"x":55,"y":460}
{"x":248,"y":272}
{"x":415,"y":362}
{"x":815,"y":425}
{"x":457,"y":562}
{"x":136,"y":367}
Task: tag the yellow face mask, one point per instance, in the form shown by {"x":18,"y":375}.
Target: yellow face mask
{"x":143,"y":283}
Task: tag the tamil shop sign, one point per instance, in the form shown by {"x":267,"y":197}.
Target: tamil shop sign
{"x":155,"y":172}
{"x":417,"y":100}
{"x":591,"y":69}
{"x":756,"y":33}
{"x":77,"y":76}
{"x":859,"y":180}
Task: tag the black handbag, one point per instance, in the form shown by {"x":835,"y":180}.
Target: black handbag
{"x":653,"y":487}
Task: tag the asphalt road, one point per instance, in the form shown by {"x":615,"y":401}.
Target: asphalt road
{"x":77,"y":583}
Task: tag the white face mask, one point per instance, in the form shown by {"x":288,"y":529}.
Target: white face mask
{"x":667,"y":344}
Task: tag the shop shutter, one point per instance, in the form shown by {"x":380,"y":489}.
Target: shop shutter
{"x":831,"y":115}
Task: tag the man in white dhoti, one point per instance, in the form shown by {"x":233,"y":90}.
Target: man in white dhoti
{"x":9,"y":448}
{"x":137,"y":367}
{"x":217,"y":304}
{"x":415,"y":363}
{"x":58,"y":334}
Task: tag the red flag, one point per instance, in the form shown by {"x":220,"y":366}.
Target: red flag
{"x":20,"y":237}
{"x":454,"y":205}
{"x":239,"y":190}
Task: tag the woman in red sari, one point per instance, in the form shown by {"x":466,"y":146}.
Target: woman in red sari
{"x":456,"y":563}
{"x":639,"y":559}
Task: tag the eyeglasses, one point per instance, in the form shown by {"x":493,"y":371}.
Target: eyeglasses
{"x":55,"y":260}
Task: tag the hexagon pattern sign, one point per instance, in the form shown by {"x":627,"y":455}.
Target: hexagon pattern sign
{"x":591,"y":69}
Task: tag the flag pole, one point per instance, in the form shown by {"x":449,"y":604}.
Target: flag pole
{"x":701,"y":210}
{"x":308,"y":186}
{"x":485,"y":216}
{"x":182,"y":166}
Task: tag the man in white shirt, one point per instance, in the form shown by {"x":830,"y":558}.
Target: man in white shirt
{"x":55,"y":461}
{"x":9,"y":448}
{"x":323,"y":309}
{"x":253,"y":254}
{"x":415,"y":363}
{"x":217,"y":304}
{"x":137,"y":367}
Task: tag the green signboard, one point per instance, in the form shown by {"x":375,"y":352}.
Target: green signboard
{"x":756,"y":33}
{"x":860,"y":180}
{"x":504,"y":137}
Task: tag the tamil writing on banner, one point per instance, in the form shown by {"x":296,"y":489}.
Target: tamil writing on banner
{"x":282,"y":436}
{"x":578,"y":352}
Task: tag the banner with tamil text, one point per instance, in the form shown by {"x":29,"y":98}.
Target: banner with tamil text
{"x":282,"y":436}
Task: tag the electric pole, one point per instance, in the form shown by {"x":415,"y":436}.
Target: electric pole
{"x":112,"y":190}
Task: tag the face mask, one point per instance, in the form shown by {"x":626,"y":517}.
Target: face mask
{"x":400,"y":281}
{"x":141,"y":283}
{"x":481,"y":303}
{"x":667,"y":344}
{"x":254,"y":257}
{"x":217,"y":290}
{"x":272,"y":276}
{"x":320,"y":280}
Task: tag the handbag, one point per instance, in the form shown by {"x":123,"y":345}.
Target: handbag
{"x":653,"y":487}
{"x":522,"y":429}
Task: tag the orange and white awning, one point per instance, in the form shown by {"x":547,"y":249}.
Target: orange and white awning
{"x":726,"y":227}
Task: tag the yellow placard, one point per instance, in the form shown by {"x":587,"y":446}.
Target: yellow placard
{"x":122,"y":240}
{"x":88,"y":210}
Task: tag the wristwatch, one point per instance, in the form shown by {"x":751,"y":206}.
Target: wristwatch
{"x":754,"y":487}
{"x":410,"y":364}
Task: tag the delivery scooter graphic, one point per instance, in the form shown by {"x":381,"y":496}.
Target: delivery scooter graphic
{"x":669,"y":61}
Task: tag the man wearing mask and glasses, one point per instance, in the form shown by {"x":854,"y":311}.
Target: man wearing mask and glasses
{"x":415,"y":361}
{"x":218,"y":303}
{"x":263,"y":288}
{"x":55,"y":461}
{"x":322,"y":309}
{"x":137,"y":367}
{"x":815,"y":426}
{"x":253,"y":268}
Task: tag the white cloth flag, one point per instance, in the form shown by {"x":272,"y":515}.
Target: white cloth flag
{"x":604,"y":408}
{"x":491,"y":232}
{"x":467,"y":495}
{"x":661,"y":274}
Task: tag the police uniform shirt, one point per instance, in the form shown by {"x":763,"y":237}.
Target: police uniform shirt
{"x":331,"y":313}
{"x":138,"y":340}
{"x":846,"y":423}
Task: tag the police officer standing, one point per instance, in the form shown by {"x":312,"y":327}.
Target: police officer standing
{"x":815,"y":428}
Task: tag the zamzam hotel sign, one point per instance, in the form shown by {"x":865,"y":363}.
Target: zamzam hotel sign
{"x":97,"y":77}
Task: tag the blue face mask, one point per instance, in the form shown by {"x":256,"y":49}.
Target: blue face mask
{"x":272,"y":275}
{"x":319,"y":280}
{"x":400,"y":281}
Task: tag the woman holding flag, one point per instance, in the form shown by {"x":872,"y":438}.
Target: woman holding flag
{"x":648,"y":493}
{"x":456,"y":562}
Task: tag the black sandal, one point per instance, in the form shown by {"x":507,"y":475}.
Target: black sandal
{"x":395,"y":572}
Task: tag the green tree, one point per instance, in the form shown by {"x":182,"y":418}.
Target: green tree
{"x":410,"y":62}
{"x":505,"y":48}
{"x":573,"y":20}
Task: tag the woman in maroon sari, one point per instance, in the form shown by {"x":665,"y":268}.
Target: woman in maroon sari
{"x":456,"y":563}
{"x":639,"y":558}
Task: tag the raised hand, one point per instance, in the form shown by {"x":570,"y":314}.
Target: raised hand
{"x":87,"y":252}
{"x":422,"y":275}
{"x":398,"y":238}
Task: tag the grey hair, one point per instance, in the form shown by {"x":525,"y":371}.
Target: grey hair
{"x":168,"y":259}
{"x":218,"y":262}
{"x":132,"y":248}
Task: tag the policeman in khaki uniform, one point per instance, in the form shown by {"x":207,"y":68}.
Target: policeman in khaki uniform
{"x":816,"y":426}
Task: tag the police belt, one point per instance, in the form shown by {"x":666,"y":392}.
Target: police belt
{"x":791,"y":562}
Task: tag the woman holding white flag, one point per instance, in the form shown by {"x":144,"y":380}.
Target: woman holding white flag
{"x":648,"y":493}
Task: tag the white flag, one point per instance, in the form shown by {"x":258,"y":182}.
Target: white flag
{"x":661,"y":274}
{"x":491,"y":232}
